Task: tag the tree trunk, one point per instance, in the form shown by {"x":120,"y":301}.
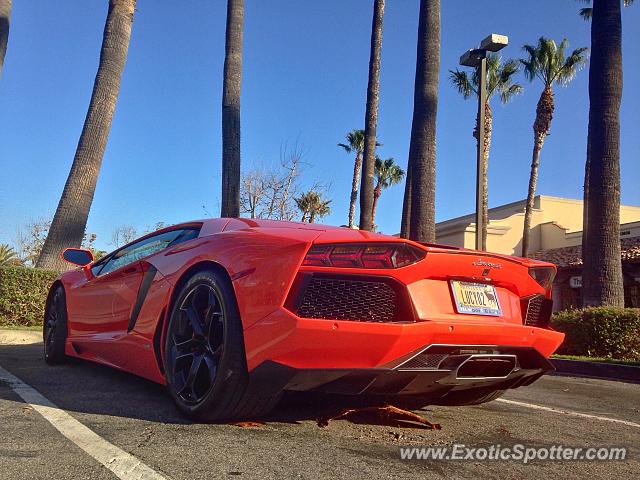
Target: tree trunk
{"x":602,"y":272}
{"x":422,"y":149}
{"x":376,"y":196}
{"x":585,"y":197}
{"x":232,"y":79}
{"x":312,"y":216}
{"x":371,"y":118}
{"x":531,"y":193}
{"x":541,"y":126}
{"x":70,"y":219}
{"x":488,"y":126}
{"x":405,"y":223}
{"x":357,"y":168}
{"x":5,"y":15}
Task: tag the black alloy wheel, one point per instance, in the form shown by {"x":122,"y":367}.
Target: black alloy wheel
{"x":204,"y":354}
{"x":54,"y":327}
{"x":196,"y":343}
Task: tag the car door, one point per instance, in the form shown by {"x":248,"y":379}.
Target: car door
{"x":105,"y":302}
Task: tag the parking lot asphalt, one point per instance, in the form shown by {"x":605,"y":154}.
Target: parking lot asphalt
{"x":139,"y":418}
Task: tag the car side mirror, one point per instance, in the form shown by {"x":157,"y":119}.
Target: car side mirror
{"x":78,"y":256}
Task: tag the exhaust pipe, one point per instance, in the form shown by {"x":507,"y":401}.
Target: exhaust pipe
{"x":487,"y":366}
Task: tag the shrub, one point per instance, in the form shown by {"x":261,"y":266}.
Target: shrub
{"x":23,"y":293}
{"x":600,"y":332}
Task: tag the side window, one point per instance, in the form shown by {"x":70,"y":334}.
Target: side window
{"x":147,"y":247}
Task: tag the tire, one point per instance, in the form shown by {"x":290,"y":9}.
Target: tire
{"x":205,"y":361}
{"x":474,"y":396}
{"x":54,"y":327}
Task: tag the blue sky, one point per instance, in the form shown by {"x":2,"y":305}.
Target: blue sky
{"x":305,"y":76}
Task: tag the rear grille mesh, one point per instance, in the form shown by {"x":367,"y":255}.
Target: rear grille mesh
{"x":347,"y":299}
{"x":428,"y":361}
{"x":538,"y":308}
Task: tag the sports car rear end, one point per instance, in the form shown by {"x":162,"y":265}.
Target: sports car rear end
{"x":384,"y":316}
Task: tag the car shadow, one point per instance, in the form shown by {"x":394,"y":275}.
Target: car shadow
{"x":84,"y":387}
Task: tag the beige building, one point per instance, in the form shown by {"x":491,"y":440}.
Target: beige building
{"x":556,"y":236}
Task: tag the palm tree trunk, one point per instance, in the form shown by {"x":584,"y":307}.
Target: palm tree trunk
{"x":230,"y":206}
{"x":357,"y":168}
{"x":541,"y":126}
{"x":585,"y":198}
{"x":70,"y":219}
{"x":405,"y":223}
{"x":5,"y":15}
{"x":312,"y":216}
{"x":422,"y":149}
{"x":602,"y":272}
{"x":371,"y":118}
{"x":376,"y":196}
{"x":531,"y":192}
{"x":488,"y":126}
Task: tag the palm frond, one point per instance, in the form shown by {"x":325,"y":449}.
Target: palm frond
{"x":531,"y":64}
{"x":586,"y":13}
{"x":572,"y":65}
{"x":387,"y":172}
{"x":346,"y":147}
{"x":547,"y":61}
{"x":355,"y":141}
{"x":460,"y":80}
{"x":507,"y":94}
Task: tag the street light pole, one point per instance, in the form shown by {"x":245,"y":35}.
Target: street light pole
{"x":477,"y":58}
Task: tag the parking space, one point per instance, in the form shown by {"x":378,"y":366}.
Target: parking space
{"x":137,"y":417}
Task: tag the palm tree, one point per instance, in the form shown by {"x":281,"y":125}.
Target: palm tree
{"x":387,"y":174}
{"x":320,"y":208}
{"x":70,"y":219}
{"x":230,"y":206}
{"x":602,"y":270}
{"x":5,"y":14}
{"x":304,"y":203}
{"x":371,"y":118}
{"x":547,"y":62}
{"x":500,"y":78}
{"x":420,"y":192}
{"x":312,"y":205}
{"x":355,"y":143}
{"x":8,"y":255}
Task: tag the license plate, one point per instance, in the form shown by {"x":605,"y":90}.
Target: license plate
{"x":476,"y":298}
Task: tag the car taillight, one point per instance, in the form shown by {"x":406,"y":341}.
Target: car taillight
{"x":543,"y":275}
{"x":371,"y":255}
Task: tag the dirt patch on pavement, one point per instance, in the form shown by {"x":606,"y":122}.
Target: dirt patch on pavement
{"x":19,"y":337}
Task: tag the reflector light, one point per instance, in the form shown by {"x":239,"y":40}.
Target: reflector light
{"x":361,"y":255}
{"x":543,"y":275}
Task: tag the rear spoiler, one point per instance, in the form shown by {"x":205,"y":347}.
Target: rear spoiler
{"x":437,"y":245}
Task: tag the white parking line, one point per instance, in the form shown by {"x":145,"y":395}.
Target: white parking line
{"x":124,"y":465}
{"x":569,"y":412}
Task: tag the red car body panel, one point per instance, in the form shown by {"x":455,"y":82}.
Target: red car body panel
{"x":263,"y":260}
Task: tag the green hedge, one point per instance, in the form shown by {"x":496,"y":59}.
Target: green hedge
{"x":23,"y":293}
{"x":600,"y":332}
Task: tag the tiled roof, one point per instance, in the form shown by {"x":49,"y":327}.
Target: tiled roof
{"x":572,"y":256}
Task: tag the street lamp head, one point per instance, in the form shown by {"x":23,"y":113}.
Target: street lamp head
{"x":472,"y":58}
{"x":494,"y":42}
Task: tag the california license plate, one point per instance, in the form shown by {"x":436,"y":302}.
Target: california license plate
{"x":476,"y":298}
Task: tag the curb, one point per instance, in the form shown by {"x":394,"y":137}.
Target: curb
{"x":607,"y":371}
{"x":19,"y":337}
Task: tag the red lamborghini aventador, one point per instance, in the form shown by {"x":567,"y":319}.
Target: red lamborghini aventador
{"x":231,"y":313}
